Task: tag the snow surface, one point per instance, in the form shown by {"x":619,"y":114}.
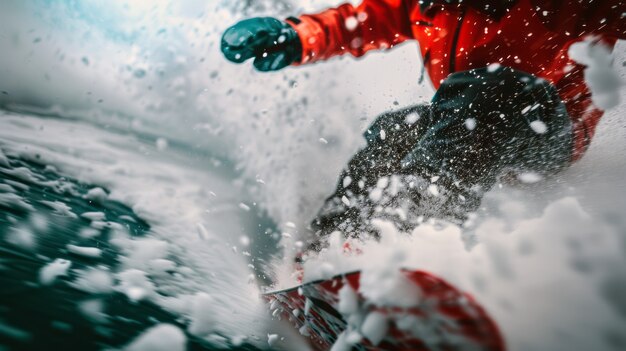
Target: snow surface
{"x":152,"y":115}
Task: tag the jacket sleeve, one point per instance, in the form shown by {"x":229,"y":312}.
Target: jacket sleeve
{"x":374,"y":24}
{"x":580,"y":18}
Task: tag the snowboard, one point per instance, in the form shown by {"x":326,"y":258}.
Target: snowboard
{"x":444,"y":319}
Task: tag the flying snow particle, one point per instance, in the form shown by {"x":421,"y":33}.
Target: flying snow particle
{"x":21,"y":237}
{"x":493,"y":67}
{"x":94,"y":281}
{"x":348,"y":300}
{"x":323,"y":141}
{"x":529,"y":177}
{"x":433,"y":190}
{"x":375,"y":327}
{"x":244,"y":240}
{"x":93,"y":310}
{"x":347,"y":181}
{"x":162,"y":337}
{"x":470,"y":123}
{"x":411,"y":118}
{"x":50,"y":272}
{"x":345,"y":200}
{"x":202,"y":232}
{"x":161,"y":144}
{"x":538,"y":127}
{"x":244,"y":207}
{"x":97,"y":195}
{"x":351,"y":23}
{"x":91,"y":252}
{"x":272,"y":339}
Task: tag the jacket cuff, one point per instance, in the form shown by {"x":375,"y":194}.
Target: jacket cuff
{"x":311,"y":38}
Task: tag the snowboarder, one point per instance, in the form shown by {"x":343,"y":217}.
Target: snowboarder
{"x":509,"y":98}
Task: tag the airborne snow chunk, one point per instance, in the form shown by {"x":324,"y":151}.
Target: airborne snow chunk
{"x":163,"y":337}
{"x":538,"y":127}
{"x":375,"y":327}
{"x":50,"y":272}
{"x":92,"y":252}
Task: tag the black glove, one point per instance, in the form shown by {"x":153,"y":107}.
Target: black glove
{"x":273,"y":44}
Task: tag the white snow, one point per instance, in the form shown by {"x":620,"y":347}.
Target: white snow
{"x":92,"y":252}
{"x":538,"y":127}
{"x":375,"y":327}
{"x":94,"y":280}
{"x":22,"y":237}
{"x":50,"y":272}
{"x":135,"y":284}
{"x":93,"y":310}
{"x":411,"y":118}
{"x":351,"y":23}
{"x":470,"y":123}
{"x":348,"y":300}
{"x":96,"y":194}
{"x":93,"y":216}
{"x":162,"y":337}
{"x":601,"y":77}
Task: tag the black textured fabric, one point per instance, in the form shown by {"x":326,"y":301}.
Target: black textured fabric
{"x":437,"y":160}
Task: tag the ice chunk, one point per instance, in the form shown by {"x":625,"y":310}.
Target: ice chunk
{"x":92,"y":252}
{"x":375,"y":327}
{"x":50,"y":272}
{"x":163,"y":337}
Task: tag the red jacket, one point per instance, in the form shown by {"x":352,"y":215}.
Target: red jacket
{"x":529,"y":35}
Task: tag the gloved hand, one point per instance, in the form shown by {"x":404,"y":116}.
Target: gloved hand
{"x":273,"y":44}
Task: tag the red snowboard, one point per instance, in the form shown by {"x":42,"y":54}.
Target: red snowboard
{"x":449,"y":319}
